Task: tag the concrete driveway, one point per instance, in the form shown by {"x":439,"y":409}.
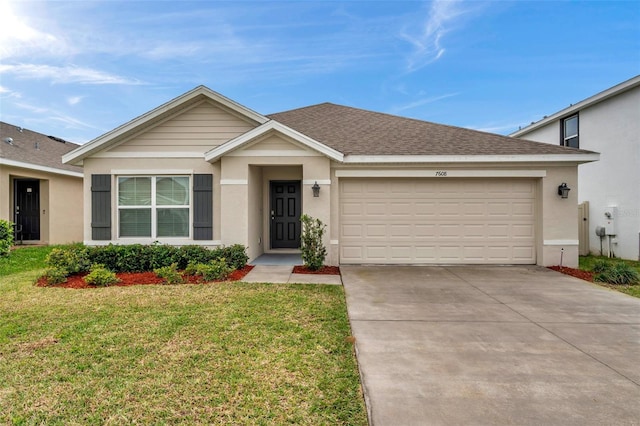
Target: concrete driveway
{"x":467,"y":345}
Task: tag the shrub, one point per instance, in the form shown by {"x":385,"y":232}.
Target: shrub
{"x":55,"y":276}
{"x":193,"y":254}
{"x":6,"y":237}
{"x":169,"y":274}
{"x":161,"y":255}
{"x":72,"y":259}
{"x":617,"y":273}
{"x":313,"y":251}
{"x":217,"y":269}
{"x":235,"y":255}
{"x":101,"y":276}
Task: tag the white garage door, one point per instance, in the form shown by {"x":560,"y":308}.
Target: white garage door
{"x":450,"y":220}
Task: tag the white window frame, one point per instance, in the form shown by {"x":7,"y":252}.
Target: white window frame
{"x":154,"y":207}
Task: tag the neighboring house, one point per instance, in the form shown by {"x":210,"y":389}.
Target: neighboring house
{"x":609,"y":123}
{"x":42,"y":196}
{"x":202,"y":169}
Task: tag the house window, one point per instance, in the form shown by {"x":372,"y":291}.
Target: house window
{"x":570,"y":132}
{"x":154,"y":206}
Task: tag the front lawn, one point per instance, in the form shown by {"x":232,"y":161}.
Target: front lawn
{"x":231,"y":353}
{"x":587,"y":263}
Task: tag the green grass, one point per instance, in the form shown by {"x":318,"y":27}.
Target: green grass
{"x":231,"y":353}
{"x":24,"y":258}
{"x":587,"y":262}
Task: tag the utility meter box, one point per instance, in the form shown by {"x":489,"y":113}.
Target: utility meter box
{"x":610,"y":220}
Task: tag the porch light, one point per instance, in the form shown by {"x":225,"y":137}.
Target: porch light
{"x":563,"y":190}
{"x":316,"y":189}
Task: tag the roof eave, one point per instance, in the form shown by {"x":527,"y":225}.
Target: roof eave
{"x":472,"y":159}
{"x":272,"y":125}
{"x":40,"y":168}
{"x":76,"y":156}
{"x":599,"y":97}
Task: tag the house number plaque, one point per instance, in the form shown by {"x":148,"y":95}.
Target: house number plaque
{"x":441,"y":173}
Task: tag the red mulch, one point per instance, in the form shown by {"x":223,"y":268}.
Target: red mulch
{"x":325,"y":270}
{"x":578,"y":273}
{"x":139,"y":278}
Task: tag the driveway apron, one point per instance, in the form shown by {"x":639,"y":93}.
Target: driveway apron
{"x":484,"y":345}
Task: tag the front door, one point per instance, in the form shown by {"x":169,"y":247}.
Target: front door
{"x":27,"y":209}
{"x":285,"y":214}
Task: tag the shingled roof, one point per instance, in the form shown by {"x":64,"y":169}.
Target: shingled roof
{"x":354,"y":131}
{"x":35,"y":149}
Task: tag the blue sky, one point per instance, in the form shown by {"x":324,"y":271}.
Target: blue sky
{"x":77,"y":69}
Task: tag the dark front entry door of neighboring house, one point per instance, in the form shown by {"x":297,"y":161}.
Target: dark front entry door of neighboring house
{"x":285,"y":214}
{"x":27,"y":209}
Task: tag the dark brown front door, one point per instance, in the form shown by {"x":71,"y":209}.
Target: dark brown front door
{"x":285,"y":214}
{"x":27,"y":209}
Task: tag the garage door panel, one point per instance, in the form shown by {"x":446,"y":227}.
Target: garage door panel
{"x":437,"y":221}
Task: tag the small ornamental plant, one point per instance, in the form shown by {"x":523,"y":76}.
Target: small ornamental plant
{"x":101,"y":276}
{"x":217,"y":269}
{"x":313,"y":250}
{"x":169,"y":274}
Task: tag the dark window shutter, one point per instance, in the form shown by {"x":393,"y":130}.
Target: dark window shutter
{"x":202,"y":207}
{"x":100,"y":207}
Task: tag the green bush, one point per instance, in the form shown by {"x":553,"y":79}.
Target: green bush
{"x":72,"y":259}
{"x":193,"y":254}
{"x":141,"y":258}
{"x":55,"y":275}
{"x":217,"y":269}
{"x":6,"y":237}
{"x":163,"y":255}
{"x":313,"y":250}
{"x":235,"y":255}
{"x":169,"y":274}
{"x":616,"y":273}
{"x":101,"y":276}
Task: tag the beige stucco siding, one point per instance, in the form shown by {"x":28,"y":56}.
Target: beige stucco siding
{"x":142,"y":166}
{"x":554,"y":221}
{"x":197,"y":129}
{"x":61,"y":203}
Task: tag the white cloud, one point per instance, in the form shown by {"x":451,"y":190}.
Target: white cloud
{"x":17,"y":38}
{"x":50,"y":115}
{"x":427,"y":42}
{"x":420,"y":102}
{"x":66,"y":74}
{"x":74,"y":100}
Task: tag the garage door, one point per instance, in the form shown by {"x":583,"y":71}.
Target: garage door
{"x":419,"y":221}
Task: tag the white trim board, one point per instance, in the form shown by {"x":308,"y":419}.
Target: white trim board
{"x":152,"y":172}
{"x":560,"y":242}
{"x":273,"y":153}
{"x":442,"y":159}
{"x":39,"y":168}
{"x":234,"y":181}
{"x":246,"y":138}
{"x":150,"y":154}
{"x":440,"y":173}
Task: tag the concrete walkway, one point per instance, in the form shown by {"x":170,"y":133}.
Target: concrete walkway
{"x":493,"y":346}
{"x":278,"y":274}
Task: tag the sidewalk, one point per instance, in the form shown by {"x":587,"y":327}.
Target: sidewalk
{"x":281,"y":274}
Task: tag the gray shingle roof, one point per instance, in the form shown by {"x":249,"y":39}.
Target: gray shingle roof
{"x":354,"y":131}
{"x":23,"y":148}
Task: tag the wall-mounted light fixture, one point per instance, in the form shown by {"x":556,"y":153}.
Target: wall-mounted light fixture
{"x":316,"y":189}
{"x":563,"y":190}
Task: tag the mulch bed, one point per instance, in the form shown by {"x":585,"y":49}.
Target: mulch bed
{"x":578,"y":273}
{"x":139,"y":278}
{"x":325,"y":270}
